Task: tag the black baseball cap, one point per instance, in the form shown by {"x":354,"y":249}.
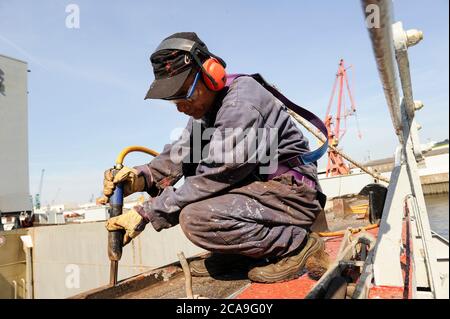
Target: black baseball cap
{"x":172,"y":67}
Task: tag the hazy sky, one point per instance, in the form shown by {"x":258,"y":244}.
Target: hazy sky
{"x":87,"y":84}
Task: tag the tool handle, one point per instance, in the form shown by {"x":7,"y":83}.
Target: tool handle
{"x":115,"y":238}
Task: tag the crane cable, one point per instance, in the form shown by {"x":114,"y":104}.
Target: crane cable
{"x":375,"y":175}
{"x":348,"y":158}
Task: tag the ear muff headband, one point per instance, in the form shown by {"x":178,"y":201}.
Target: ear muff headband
{"x":213,"y":69}
{"x":186,"y":45}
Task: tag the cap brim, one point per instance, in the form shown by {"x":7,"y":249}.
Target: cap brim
{"x":165,"y":88}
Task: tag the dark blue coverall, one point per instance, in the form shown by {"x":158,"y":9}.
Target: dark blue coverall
{"x":231,"y":207}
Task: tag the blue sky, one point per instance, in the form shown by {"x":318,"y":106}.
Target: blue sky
{"x":86,"y":85}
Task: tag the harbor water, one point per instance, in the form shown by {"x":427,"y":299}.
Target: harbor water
{"x":438,"y":210}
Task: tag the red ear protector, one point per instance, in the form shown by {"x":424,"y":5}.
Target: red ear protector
{"x":213,"y":69}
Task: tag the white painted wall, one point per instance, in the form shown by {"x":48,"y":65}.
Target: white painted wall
{"x":71,"y":254}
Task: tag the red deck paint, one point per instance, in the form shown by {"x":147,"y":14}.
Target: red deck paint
{"x":405,"y":292}
{"x":294,"y":289}
{"x":383,"y":292}
{"x":300,"y":287}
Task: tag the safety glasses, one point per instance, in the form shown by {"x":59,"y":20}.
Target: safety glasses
{"x":189,"y":93}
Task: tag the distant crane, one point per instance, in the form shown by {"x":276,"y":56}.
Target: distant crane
{"x":336,"y":164}
{"x":37,"y":198}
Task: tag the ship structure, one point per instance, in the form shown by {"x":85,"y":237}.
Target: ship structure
{"x":375,"y":224}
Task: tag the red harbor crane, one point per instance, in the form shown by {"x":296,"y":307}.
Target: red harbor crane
{"x":336,"y":164}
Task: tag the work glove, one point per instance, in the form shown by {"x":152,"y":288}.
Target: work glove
{"x":132,"y":183}
{"x":131,"y":222}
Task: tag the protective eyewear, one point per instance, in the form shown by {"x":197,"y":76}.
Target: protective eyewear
{"x":189,"y":93}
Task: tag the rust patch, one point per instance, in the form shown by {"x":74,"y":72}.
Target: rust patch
{"x":131,"y":285}
{"x":202,"y":286}
{"x":168,"y":283}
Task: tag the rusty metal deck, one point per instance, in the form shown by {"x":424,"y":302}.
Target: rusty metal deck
{"x":168,"y":282}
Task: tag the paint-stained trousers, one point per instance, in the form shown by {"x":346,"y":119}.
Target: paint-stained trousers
{"x":261,"y":219}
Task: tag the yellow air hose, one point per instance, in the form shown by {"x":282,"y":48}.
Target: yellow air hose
{"x":352,"y":230}
{"x":129,"y":149}
{"x":115,"y":238}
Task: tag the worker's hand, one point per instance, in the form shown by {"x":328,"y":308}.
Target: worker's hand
{"x":131,"y":222}
{"x":132,"y":183}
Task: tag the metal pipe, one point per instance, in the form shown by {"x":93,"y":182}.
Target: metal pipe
{"x":29,"y":274}
{"x":402,"y":40}
{"x":187,"y":275}
{"x":383,"y":47}
{"x":15,"y":288}
{"x":27,"y":245}
{"x":113,"y":272}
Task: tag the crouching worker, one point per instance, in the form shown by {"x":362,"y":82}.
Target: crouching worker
{"x":251,"y":210}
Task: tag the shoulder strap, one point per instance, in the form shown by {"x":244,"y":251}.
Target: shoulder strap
{"x":308,"y":157}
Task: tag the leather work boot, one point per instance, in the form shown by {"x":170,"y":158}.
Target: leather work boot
{"x":219,"y":264}
{"x":290,"y":267}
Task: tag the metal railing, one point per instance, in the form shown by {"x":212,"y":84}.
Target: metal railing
{"x":383,"y":48}
{"x":390,"y":44}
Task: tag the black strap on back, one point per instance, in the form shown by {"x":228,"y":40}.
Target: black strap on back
{"x":308,"y":157}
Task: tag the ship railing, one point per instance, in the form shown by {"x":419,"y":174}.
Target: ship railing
{"x":390,"y":44}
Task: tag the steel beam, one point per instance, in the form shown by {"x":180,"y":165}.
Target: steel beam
{"x":424,"y":254}
{"x":387,"y":266}
{"x":383,"y":47}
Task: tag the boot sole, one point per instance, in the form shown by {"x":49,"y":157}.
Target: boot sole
{"x":291,"y":273}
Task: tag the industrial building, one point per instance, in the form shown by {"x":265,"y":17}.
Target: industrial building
{"x":15,"y":196}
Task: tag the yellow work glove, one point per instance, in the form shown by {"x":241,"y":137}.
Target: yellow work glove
{"x":131,"y":222}
{"x":132,"y":183}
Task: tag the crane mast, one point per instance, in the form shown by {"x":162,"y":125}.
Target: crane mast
{"x":336,"y":164}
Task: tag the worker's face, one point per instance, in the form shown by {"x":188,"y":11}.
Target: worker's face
{"x":199,"y":103}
